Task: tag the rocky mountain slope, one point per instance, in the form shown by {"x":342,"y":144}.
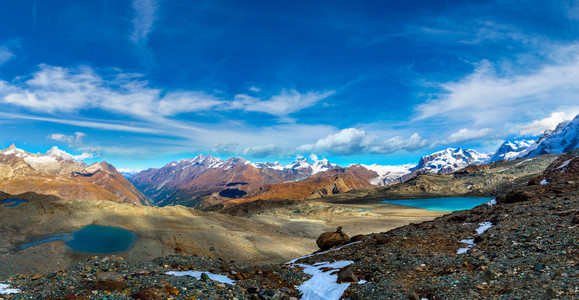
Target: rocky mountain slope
{"x":336,"y":181}
{"x":57,"y":173}
{"x":206,"y":180}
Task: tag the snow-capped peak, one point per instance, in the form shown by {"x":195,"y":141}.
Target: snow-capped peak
{"x":564,"y":138}
{"x":55,"y":152}
{"x":450,"y":160}
{"x":300,"y":163}
{"x":510,"y":150}
{"x":13,"y":150}
{"x":321,"y":166}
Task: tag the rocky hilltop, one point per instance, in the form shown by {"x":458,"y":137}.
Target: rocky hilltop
{"x":57,"y":173}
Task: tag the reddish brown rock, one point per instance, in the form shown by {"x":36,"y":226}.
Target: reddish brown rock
{"x":328,"y":240}
{"x":347,"y":276}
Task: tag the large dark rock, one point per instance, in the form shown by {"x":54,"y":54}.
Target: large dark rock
{"x":110,"y":281}
{"x":328,"y":240}
{"x":347,"y":276}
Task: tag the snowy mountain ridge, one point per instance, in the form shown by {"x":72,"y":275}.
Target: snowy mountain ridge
{"x":564,"y":138}
{"x":449,"y":160}
{"x":509,"y":150}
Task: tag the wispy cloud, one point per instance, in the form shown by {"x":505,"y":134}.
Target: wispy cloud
{"x":56,"y":89}
{"x":5,"y":55}
{"x":287,"y":102}
{"x":539,"y":126}
{"x":488,"y":96}
{"x":100,"y":124}
{"x":145,"y":16}
{"x":72,"y":140}
{"x":465,"y":134}
{"x":263,"y":151}
{"x":352,"y":141}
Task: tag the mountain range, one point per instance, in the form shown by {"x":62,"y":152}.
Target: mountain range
{"x":206,"y":180}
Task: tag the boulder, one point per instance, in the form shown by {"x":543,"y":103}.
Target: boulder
{"x":328,"y":240}
{"x":347,"y":276}
{"x":110,"y":281}
{"x":357,"y":238}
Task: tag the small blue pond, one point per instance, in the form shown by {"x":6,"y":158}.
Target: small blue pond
{"x":443,"y":204}
{"x":92,"y":239}
{"x":11,"y":202}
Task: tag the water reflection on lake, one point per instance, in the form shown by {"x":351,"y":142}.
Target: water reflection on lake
{"x":91,"y":239}
{"x":443,"y":204}
{"x":11,"y":202}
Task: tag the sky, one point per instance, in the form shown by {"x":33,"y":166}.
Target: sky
{"x":142,"y":83}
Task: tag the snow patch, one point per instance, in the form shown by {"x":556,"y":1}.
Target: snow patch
{"x":5,"y":289}
{"x":197,"y":274}
{"x":492,"y":202}
{"x":387,"y":174}
{"x":470,"y":244}
{"x":484,"y":226}
{"x":563,"y":165}
{"x":544,"y":181}
{"x":323,"y":284}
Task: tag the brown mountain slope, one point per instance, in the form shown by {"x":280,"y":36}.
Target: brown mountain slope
{"x":205,"y":180}
{"x":324,"y":184}
{"x":22,"y":172}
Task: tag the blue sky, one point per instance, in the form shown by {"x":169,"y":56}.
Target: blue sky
{"x":140,"y":83}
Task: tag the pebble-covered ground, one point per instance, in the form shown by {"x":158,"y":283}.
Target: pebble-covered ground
{"x":526,"y":246}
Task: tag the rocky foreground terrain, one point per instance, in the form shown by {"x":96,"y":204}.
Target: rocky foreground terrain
{"x":523,"y":247}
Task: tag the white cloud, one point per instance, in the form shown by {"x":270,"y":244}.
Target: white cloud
{"x":84,"y":155}
{"x":72,"y":140}
{"x":287,"y":102}
{"x":313,"y":157}
{"x":145,"y":16}
{"x":466,"y":134}
{"x":5,"y":55}
{"x":225,"y":148}
{"x":414,"y":142}
{"x":354,"y":141}
{"x":56,"y":89}
{"x":496,"y":94}
{"x":347,"y":142}
{"x":75,"y":141}
{"x":263,"y":151}
{"x":539,"y":126}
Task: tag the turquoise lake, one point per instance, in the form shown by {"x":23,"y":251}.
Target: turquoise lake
{"x":443,"y":204}
{"x":11,"y":202}
{"x":92,"y":239}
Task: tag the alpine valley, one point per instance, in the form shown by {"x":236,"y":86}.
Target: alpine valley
{"x":250,"y":221}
